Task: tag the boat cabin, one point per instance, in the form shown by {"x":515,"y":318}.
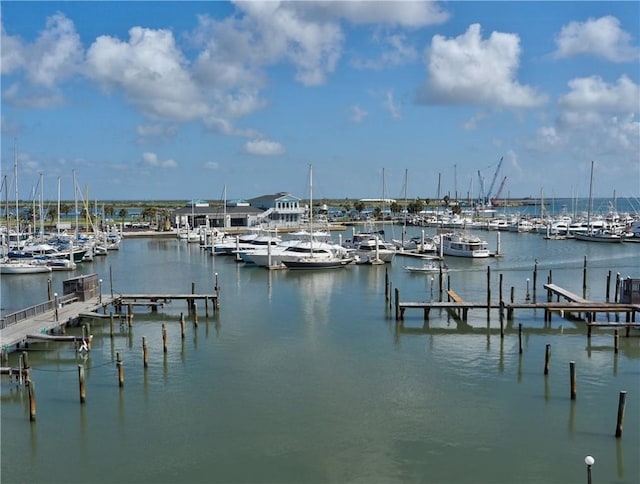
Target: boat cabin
{"x":84,"y":287}
{"x":630,"y":293}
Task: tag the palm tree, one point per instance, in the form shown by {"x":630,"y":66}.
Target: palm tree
{"x":65,"y":208}
{"x":122,"y":214}
{"x":109,"y":210}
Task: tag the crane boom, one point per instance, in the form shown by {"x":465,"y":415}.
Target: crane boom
{"x":493,"y":181}
{"x":499,"y":191}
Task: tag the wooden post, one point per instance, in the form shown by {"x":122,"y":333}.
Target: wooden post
{"x":195,"y":313}
{"x":129,"y":314}
{"x":120,"y":370}
{"x":206,"y":305}
{"x":501,"y":319}
{"x":164,"y":338}
{"x":547,"y":358}
{"x":513,"y":294}
{"x":397,"y":304}
{"x":616,"y":341}
{"x":572,"y":378}
{"x":488,"y":288}
{"x":182,"y":325}
{"x":83,"y":394}
{"x":608,"y":289}
{"x":520,"y":338}
{"x":386,"y":284}
{"x":49,"y":293}
{"x":617,"y":292}
{"x":217,"y":289}
{"x":500,"y":287}
{"x":440,"y":285}
{"x":25,"y":360}
{"x":535,"y":279}
{"x":145,"y":353}
{"x":584,"y":278}
{"x":621,"y":402}
{"x":32,"y":400}
{"x":111,"y":324}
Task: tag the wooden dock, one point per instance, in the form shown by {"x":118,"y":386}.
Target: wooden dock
{"x":573,"y":305}
{"x":41,"y":321}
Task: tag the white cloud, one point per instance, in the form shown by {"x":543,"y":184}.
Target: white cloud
{"x":151,"y":71}
{"x":395,"y":51}
{"x":470,"y":70}
{"x":263,"y":147}
{"x":151,"y":159}
{"x":391,"y":106}
{"x":596,"y":118}
{"x":410,"y":14}
{"x":593,"y":94}
{"x":357,"y":114}
{"x":600,"y":37}
{"x":211,"y":165}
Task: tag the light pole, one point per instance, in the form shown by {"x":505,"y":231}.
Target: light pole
{"x":55,"y":300}
{"x":589,"y":460}
{"x":528,"y":296}
{"x":432,"y":279}
{"x":100,"y":291}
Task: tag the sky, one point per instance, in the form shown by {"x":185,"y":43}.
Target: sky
{"x":205,"y":100}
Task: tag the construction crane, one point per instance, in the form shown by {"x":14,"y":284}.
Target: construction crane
{"x":486,"y":197}
{"x":499,"y":191}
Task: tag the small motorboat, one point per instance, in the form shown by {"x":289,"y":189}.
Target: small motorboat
{"x":428,"y":267}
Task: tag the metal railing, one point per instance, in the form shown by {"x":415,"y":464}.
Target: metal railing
{"x":36,"y":310}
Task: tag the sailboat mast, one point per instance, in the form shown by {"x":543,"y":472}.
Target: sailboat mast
{"x":311,"y":207}
{"x":15,"y":177}
{"x":590,"y":207}
{"x":58,"y":225}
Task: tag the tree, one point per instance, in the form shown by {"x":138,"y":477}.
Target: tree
{"x":122,"y":213}
{"x":359,"y":206}
{"x":416,"y":206}
{"x":377,"y":212}
{"x":109,"y":210}
{"x":395,"y":207}
{"x":446,"y":200}
{"x":65,"y":208}
{"x":52,"y":213}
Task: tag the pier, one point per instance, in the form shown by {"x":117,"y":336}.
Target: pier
{"x":83,"y":299}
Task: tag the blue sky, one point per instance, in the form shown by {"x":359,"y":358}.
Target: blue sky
{"x":178,"y":100}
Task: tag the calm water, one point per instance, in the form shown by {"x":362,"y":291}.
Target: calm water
{"x":305,"y":377}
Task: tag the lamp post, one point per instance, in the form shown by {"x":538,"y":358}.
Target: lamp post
{"x":55,"y":299}
{"x":432,"y":279}
{"x":100,"y":291}
{"x":589,"y":460}
{"x":528,"y":296}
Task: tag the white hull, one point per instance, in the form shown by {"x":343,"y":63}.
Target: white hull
{"x":23,"y":268}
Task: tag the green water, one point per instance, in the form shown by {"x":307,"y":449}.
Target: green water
{"x":306,"y":377}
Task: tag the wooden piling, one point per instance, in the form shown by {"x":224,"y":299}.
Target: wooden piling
{"x":520,"y":338}
{"x":501,"y":319}
{"x":608,"y":289}
{"x":572,"y":378}
{"x":145,"y":353}
{"x":617,"y":292}
{"x":616,"y":341}
{"x":195,"y":313}
{"x":584,"y":278}
{"x":387,"y":294}
{"x":500,"y":287}
{"x":535,"y":279}
{"x":488,"y":288}
{"x":32,"y":400}
{"x":164,"y":338}
{"x":547,"y":358}
{"x":111,"y":324}
{"x":81,"y":385}
{"x":182,"y":325}
{"x":621,"y":403}
{"x":25,"y":360}
{"x":513,"y":294}
{"x":397,"y":304}
{"x":120,"y":370}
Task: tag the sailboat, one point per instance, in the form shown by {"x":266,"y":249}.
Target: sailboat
{"x":315,"y":260}
{"x":600,"y":234}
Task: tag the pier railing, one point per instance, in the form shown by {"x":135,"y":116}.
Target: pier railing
{"x":36,"y":310}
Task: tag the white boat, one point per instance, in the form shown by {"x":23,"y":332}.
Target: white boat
{"x":292,"y":249}
{"x":430,"y":266}
{"x":460,"y":244}
{"x":23,"y":267}
{"x":315,"y":260}
{"x":61,"y":264}
{"x":601,"y":234}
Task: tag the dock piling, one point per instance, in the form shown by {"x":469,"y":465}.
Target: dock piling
{"x":164,"y":338}
{"x":145,"y":353}
{"x":621,"y":403}
{"x":120,"y":370}
{"x":547,"y":358}
{"x":32,"y":399}
{"x":572,"y":378}
{"x":81,"y":385}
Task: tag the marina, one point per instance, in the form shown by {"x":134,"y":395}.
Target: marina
{"x":308,"y":373}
